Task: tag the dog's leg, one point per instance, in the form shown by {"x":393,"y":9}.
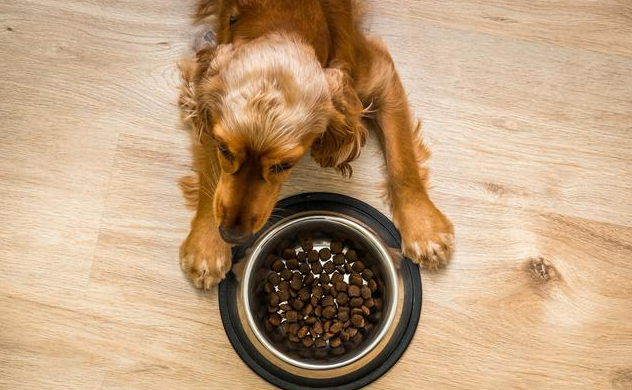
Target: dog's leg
{"x":204,"y":256}
{"x":427,"y":235}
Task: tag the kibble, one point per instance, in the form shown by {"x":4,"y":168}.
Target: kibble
{"x":293,"y":264}
{"x":324,"y":254}
{"x":316,"y":299}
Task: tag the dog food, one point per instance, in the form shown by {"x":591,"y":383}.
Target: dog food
{"x":320,"y":302}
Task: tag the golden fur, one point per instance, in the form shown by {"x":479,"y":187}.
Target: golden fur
{"x":287,"y":77}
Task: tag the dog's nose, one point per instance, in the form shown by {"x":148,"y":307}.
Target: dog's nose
{"x":234,"y":235}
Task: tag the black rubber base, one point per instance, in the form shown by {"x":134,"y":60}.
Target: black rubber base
{"x":404,"y":331}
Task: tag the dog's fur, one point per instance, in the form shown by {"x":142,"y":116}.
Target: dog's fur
{"x":288,"y":76}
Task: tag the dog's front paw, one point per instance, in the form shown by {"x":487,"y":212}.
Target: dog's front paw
{"x":427,"y":234}
{"x":205,"y":258}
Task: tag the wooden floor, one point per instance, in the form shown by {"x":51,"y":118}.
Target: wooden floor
{"x":528,"y":111}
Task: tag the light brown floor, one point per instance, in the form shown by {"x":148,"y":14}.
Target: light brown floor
{"x":528,"y":111}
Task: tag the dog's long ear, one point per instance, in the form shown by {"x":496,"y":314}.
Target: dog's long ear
{"x":346,"y":134}
{"x":202,"y":88}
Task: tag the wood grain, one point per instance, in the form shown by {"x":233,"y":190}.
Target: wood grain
{"x":528,"y":110}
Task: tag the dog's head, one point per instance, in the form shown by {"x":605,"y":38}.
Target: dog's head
{"x":257,"y":109}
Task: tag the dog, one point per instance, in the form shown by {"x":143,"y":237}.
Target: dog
{"x":288,"y":77}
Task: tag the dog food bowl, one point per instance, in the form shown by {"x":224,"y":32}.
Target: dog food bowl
{"x":322,"y":217}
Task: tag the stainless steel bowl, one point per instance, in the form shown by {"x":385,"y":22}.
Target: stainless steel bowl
{"x":322,"y":227}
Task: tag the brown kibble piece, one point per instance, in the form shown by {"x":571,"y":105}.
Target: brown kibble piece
{"x":318,"y":311}
{"x":356,"y":310}
{"x":367,"y":274}
{"x":303,"y":331}
{"x":344,"y":336}
{"x":309,"y":279}
{"x":304,"y":294}
{"x":341,"y":269}
{"x":292,"y":316}
{"x":317,"y":267}
{"x":327,"y":301}
{"x":301,"y":257}
{"x":289,"y":253}
{"x":336,"y":327}
{"x":340,"y":286}
{"x":336,"y":247}
{"x":338,"y":351}
{"x":268,"y":288}
{"x":343,"y":316}
{"x":284,"y":295}
{"x":356,"y":279}
{"x":293,"y":329}
{"x":307,"y":245}
{"x":312,"y":256}
{"x":326,"y":326}
{"x":324,"y":253}
{"x":307,"y":309}
{"x":357,"y":338}
{"x":285,"y":307}
{"x":307,"y":342}
{"x":365,"y":311}
{"x":311,"y":320}
{"x":354,"y":291}
{"x":274,"y":278}
{"x":335,"y":342}
{"x":372,"y":285}
{"x":329,"y":267}
{"x":339,"y":259}
{"x":369,"y":302}
{"x":320,"y":343}
{"x":337,"y":277}
{"x":275,"y":320}
{"x":356,"y":302}
{"x":365,"y":292}
{"x":297,"y":282}
{"x":375,"y":317}
{"x":304,"y":268}
{"x":357,"y":320}
{"x":351,"y":255}
{"x":314,"y":300}
{"x":293,"y":338}
{"x":286,"y":274}
{"x":292,"y":264}
{"x":274,"y":299}
{"x":317,"y":328}
{"x":297,"y":304}
{"x":324,"y":280}
{"x":328,"y":335}
{"x":285,"y":327}
{"x":351,"y":331}
{"x":277,"y":265}
{"x":293,"y":293}
{"x":358,"y":266}
{"x":342,"y":298}
{"x":329,"y":312}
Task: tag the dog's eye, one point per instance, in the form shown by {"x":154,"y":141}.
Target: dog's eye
{"x":225,"y":152}
{"x":278,"y":168}
{"x":232,"y":20}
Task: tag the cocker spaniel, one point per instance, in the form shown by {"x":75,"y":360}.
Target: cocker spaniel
{"x":287,"y":77}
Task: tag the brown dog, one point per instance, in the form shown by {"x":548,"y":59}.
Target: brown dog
{"x":288,"y":76}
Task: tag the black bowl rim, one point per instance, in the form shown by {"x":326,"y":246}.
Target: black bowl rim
{"x":405,"y":329}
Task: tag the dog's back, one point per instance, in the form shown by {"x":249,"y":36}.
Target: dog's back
{"x":329,"y":26}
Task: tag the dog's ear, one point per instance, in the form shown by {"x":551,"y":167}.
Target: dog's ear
{"x":346,"y":134}
{"x":202,"y":89}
